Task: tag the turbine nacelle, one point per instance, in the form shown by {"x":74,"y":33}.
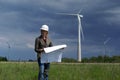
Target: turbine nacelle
{"x":80,"y":15}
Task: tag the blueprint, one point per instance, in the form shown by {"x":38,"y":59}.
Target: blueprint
{"x":52,"y":54}
{"x":55,"y":56}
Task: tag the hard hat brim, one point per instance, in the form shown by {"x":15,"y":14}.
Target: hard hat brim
{"x":43,"y":29}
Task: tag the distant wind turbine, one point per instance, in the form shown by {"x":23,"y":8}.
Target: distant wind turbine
{"x":9,"y":47}
{"x":105,"y":42}
{"x":80,"y":32}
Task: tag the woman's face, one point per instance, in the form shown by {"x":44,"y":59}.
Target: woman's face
{"x":44,"y":33}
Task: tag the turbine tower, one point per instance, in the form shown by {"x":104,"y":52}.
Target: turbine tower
{"x":80,"y":33}
{"x":79,"y":36}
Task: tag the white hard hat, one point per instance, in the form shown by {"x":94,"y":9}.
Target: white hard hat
{"x":45,"y":27}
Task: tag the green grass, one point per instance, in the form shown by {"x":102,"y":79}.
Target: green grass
{"x":85,"y":72}
{"x":29,"y":71}
{"x":18,"y":71}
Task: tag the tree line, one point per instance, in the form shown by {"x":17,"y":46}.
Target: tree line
{"x":3,"y":58}
{"x":98,"y":59}
{"x":102,"y":59}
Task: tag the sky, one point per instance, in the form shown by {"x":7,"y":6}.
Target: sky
{"x":20,"y":22}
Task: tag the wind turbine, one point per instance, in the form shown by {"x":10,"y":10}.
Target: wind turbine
{"x":80,"y":32}
{"x":9,"y":47}
{"x":105,"y":42}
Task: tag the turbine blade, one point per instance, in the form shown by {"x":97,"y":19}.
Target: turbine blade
{"x":80,"y":10}
{"x":82,"y":33}
{"x":107,"y":40}
{"x":80,"y":25}
{"x":66,"y":14}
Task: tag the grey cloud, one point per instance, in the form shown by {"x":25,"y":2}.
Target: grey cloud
{"x":101,"y":17}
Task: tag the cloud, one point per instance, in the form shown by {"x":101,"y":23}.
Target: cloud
{"x":113,"y":16}
{"x":30,"y":45}
{"x":3,"y":39}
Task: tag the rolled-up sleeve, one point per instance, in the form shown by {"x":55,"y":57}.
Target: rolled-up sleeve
{"x":37,"y":45}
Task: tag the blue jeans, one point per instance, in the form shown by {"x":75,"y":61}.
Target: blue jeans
{"x":43,"y":70}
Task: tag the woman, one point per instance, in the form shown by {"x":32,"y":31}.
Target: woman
{"x":42,"y":42}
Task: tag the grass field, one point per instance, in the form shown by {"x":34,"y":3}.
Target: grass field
{"x":83,"y":71}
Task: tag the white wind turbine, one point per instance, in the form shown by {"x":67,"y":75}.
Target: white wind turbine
{"x":80,"y":32}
